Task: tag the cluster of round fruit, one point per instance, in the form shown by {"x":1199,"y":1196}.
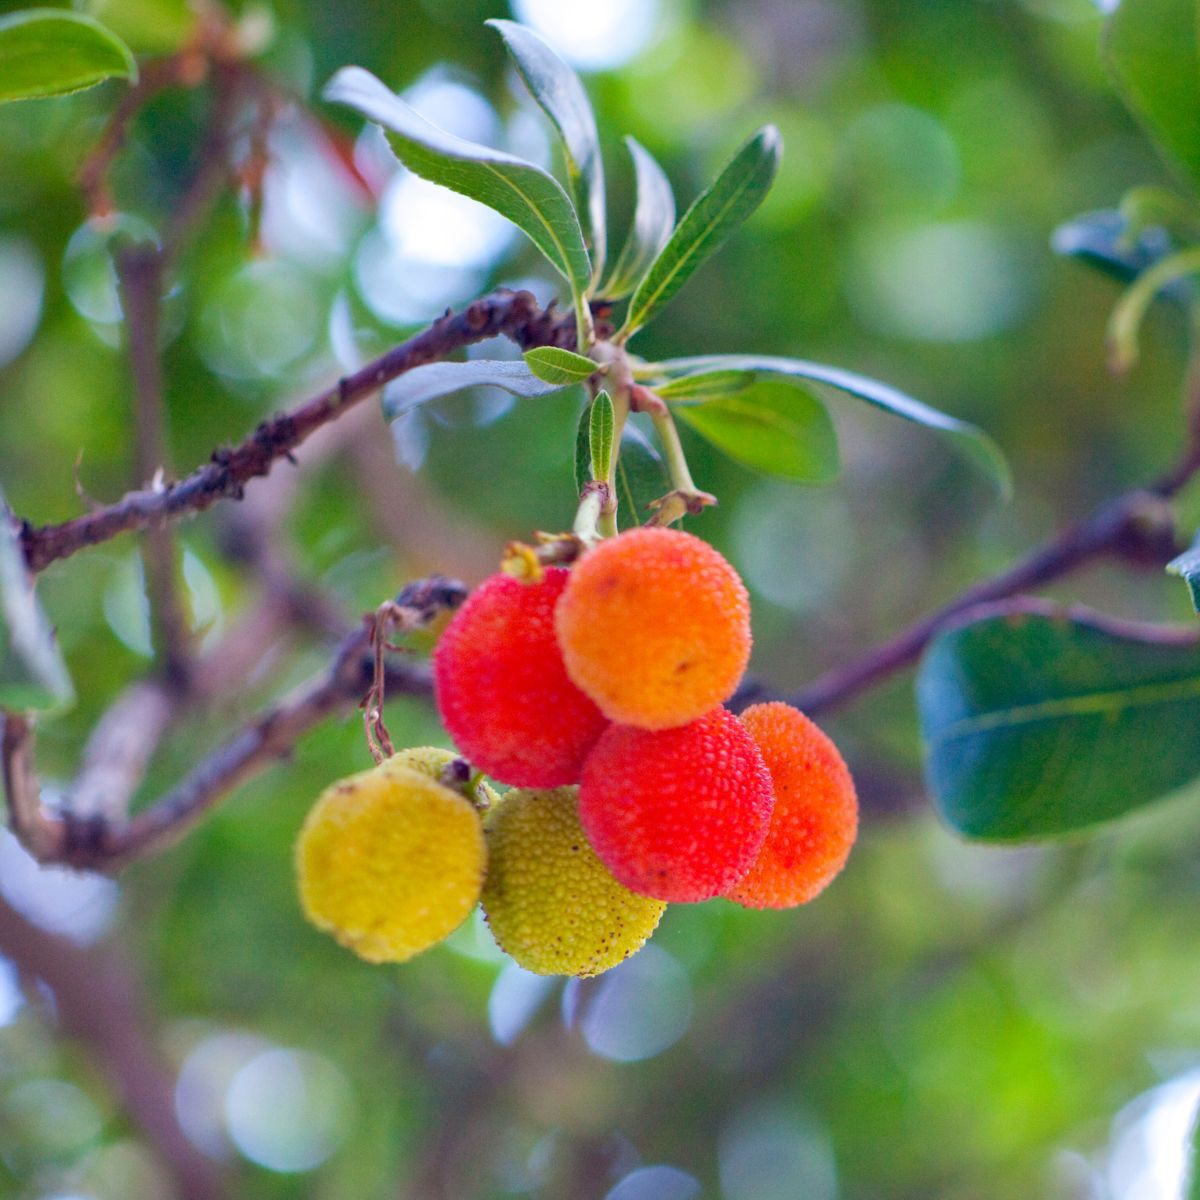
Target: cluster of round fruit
{"x":596,"y":694}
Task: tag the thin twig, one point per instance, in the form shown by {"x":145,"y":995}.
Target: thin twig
{"x":1137,"y":526}
{"x":97,"y":843}
{"x":98,"y":1001}
{"x":512,"y":314}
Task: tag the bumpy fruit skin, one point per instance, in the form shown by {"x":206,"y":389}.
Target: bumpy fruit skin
{"x":389,"y":862}
{"x":815,"y":820}
{"x":503,"y":691}
{"x":677,"y":814}
{"x":550,"y":902}
{"x":654,"y":625}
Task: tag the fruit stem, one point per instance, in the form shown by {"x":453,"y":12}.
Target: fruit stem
{"x":685,"y":497}
{"x":619,"y":383}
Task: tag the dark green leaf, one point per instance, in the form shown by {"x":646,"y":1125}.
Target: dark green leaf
{"x":431,"y":382}
{"x":641,"y":475}
{"x":557,"y":89}
{"x":528,"y":196}
{"x":967,"y":438}
{"x":600,"y":435}
{"x":1102,"y":239}
{"x":1037,"y":723}
{"x":705,"y":384}
{"x":1152,"y":51}
{"x":775,"y":426}
{"x":32,"y":674}
{"x":653,"y":220}
{"x":560,"y":367}
{"x":51,"y":52}
{"x":716,"y":213}
{"x":583,"y":447}
{"x":1187,"y":565}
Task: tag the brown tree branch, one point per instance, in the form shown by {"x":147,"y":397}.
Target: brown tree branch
{"x":511,"y":314}
{"x":1137,"y":526}
{"x":98,"y":841}
{"x":98,"y":1001}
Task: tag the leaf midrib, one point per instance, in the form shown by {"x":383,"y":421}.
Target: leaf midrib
{"x":1101,"y":703}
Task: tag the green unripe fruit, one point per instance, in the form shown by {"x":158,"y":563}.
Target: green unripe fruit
{"x":550,"y":902}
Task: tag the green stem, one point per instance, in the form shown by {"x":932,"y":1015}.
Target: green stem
{"x":1127,"y":317}
{"x":585,"y":331}
{"x":668,"y":435}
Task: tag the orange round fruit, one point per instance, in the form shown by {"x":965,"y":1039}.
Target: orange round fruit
{"x":654,"y":626}
{"x":815,"y":820}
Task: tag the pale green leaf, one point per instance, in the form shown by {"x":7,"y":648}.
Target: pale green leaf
{"x":52,"y":52}
{"x":435,"y":380}
{"x":970,"y":440}
{"x":552,"y":364}
{"x":528,"y":196}
{"x":775,"y":426}
{"x":600,"y":435}
{"x":557,"y":89}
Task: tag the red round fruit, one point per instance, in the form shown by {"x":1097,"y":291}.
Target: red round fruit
{"x":502,"y":689}
{"x":677,"y":814}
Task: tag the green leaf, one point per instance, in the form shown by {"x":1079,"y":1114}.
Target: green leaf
{"x":716,"y":213}
{"x":529,"y":197}
{"x":52,"y":52}
{"x":641,"y":474}
{"x":1152,"y":51}
{"x":558,"y":91}
{"x":653,"y":220}
{"x":775,"y":426}
{"x":965,"y":437}
{"x":1187,"y":565}
{"x":1037,"y":724}
{"x":32,"y":673}
{"x":561,"y":367}
{"x":600,"y":435}
{"x":422,"y":384}
{"x":705,"y":384}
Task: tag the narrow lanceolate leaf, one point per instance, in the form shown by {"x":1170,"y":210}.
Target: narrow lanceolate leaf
{"x":600,"y":435}
{"x":1153,"y":52}
{"x":561,"y":367}
{"x":716,"y":213}
{"x":51,"y":52}
{"x":1103,"y":239}
{"x":965,"y":437}
{"x":1187,"y":565}
{"x":557,"y":89}
{"x":705,"y":384}
{"x":1037,"y":723}
{"x":775,"y":426}
{"x":431,"y":382}
{"x":32,"y":673}
{"x":529,"y":197}
{"x":653,"y":220}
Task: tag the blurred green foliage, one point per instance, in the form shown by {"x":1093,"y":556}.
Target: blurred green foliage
{"x":947,"y":1020}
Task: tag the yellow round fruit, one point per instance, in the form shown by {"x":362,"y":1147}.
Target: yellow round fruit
{"x":550,"y":902}
{"x":390,"y":862}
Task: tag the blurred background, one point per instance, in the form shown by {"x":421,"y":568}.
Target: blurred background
{"x":946,"y":1021}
